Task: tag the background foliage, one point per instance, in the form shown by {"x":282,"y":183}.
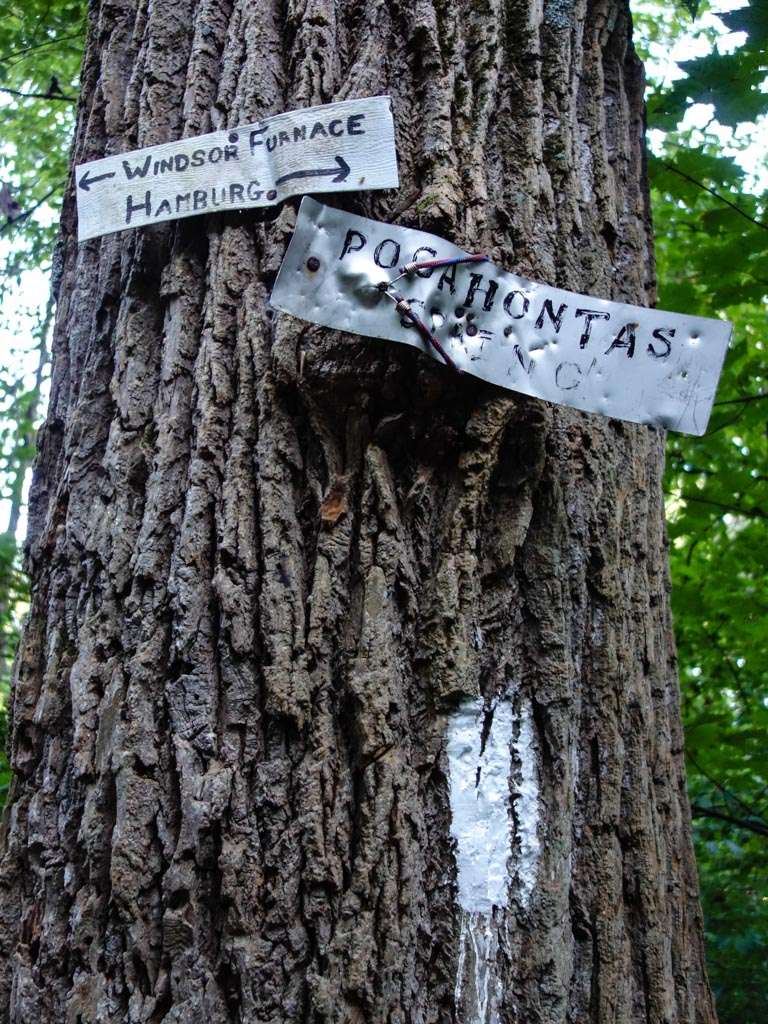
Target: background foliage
{"x":711,"y":225}
{"x":712,"y":247}
{"x":40,"y":52}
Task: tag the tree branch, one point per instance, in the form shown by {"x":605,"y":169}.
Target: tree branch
{"x":28,"y":213}
{"x":726,"y":793}
{"x":39,"y":95}
{"x":698,"y":811}
{"x":750,"y":513}
{"x":744,"y":398}
{"x":38,"y":46}
{"x":717,"y":195}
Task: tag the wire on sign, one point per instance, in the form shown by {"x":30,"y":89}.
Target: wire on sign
{"x":403,"y":306}
{"x":412,"y":267}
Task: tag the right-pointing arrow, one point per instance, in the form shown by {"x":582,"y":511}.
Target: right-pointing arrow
{"x":337,"y":174}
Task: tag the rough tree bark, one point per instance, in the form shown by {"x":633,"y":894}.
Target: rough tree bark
{"x":260,"y":594}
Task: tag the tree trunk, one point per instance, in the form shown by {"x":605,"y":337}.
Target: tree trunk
{"x":276,"y":568}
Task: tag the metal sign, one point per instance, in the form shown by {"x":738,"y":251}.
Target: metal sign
{"x":631,"y":363}
{"x":340,"y":147}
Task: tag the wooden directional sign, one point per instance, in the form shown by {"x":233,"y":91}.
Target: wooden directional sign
{"x":340,"y":147}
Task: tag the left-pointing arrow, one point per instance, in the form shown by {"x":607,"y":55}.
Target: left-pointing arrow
{"x":86,"y":182}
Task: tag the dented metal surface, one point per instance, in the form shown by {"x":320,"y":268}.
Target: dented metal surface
{"x":612,"y":358}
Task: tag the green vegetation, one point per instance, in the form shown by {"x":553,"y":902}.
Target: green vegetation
{"x":712,"y":247}
{"x":40,"y":52}
{"x":712,"y":252}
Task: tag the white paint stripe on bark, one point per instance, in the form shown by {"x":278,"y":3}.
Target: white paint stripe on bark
{"x":482,"y":826}
{"x":479,"y":791}
{"x":526,"y":807}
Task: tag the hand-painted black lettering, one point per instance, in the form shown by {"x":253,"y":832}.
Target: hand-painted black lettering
{"x":236,"y":192}
{"x":318,"y":129}
{"x":180,"y":162}
{"x":199,"y":199}
{"x":271,"y":143}
{"x":590,"y":315}
{"x":448,"y":277}
{"x":284,"y":137}
{"x":163,"y":165}
{"x":353,"y":124}
{"x":164,"y":207}
{"x":215,"y":153}
{"x":140,"y":171}
{"x":348,"y":243}
{"x":300,"y":132}
{"x":474,"y":288}
{"x":660,"y":335}
{"x":624,"y":339}
{"x":254,"y":140}
{"x":510,"y":298}
{"x":253,"y":191}
{"x":338,"y":130}
{"x":556,"y":318}
{"x":182,"y":202}
{"x":531,"y":364}
{"x":567,"y":376}
{"x":415,"y":259}
{"x":378,"y":254}
{"x":230,"y":153}
{"x":131,"y":207}
{"x":198,"y":158}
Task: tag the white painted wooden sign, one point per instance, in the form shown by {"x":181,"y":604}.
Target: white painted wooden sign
{"x":340,"y":147}
{"x":631,"y":363}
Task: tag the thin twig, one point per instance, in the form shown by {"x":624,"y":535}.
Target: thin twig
{"x":744,"y":398}
{"x":28,"y":213}
{"x":39,"y":95}
{"x":709,"y":812}
{"x":717,"y":195}
{"x":718,"y":785}
{"x":39,"y":46}
{"x":750,"y":513}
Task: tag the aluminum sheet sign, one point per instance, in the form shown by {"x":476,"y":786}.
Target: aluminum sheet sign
{"x":340,"y":147}
{"x":631,"y":363}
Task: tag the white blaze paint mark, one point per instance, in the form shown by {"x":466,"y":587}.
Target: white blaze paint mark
{"x":526,"y":807}
{"x":479,"y":785}
{"x":482,"y":826}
